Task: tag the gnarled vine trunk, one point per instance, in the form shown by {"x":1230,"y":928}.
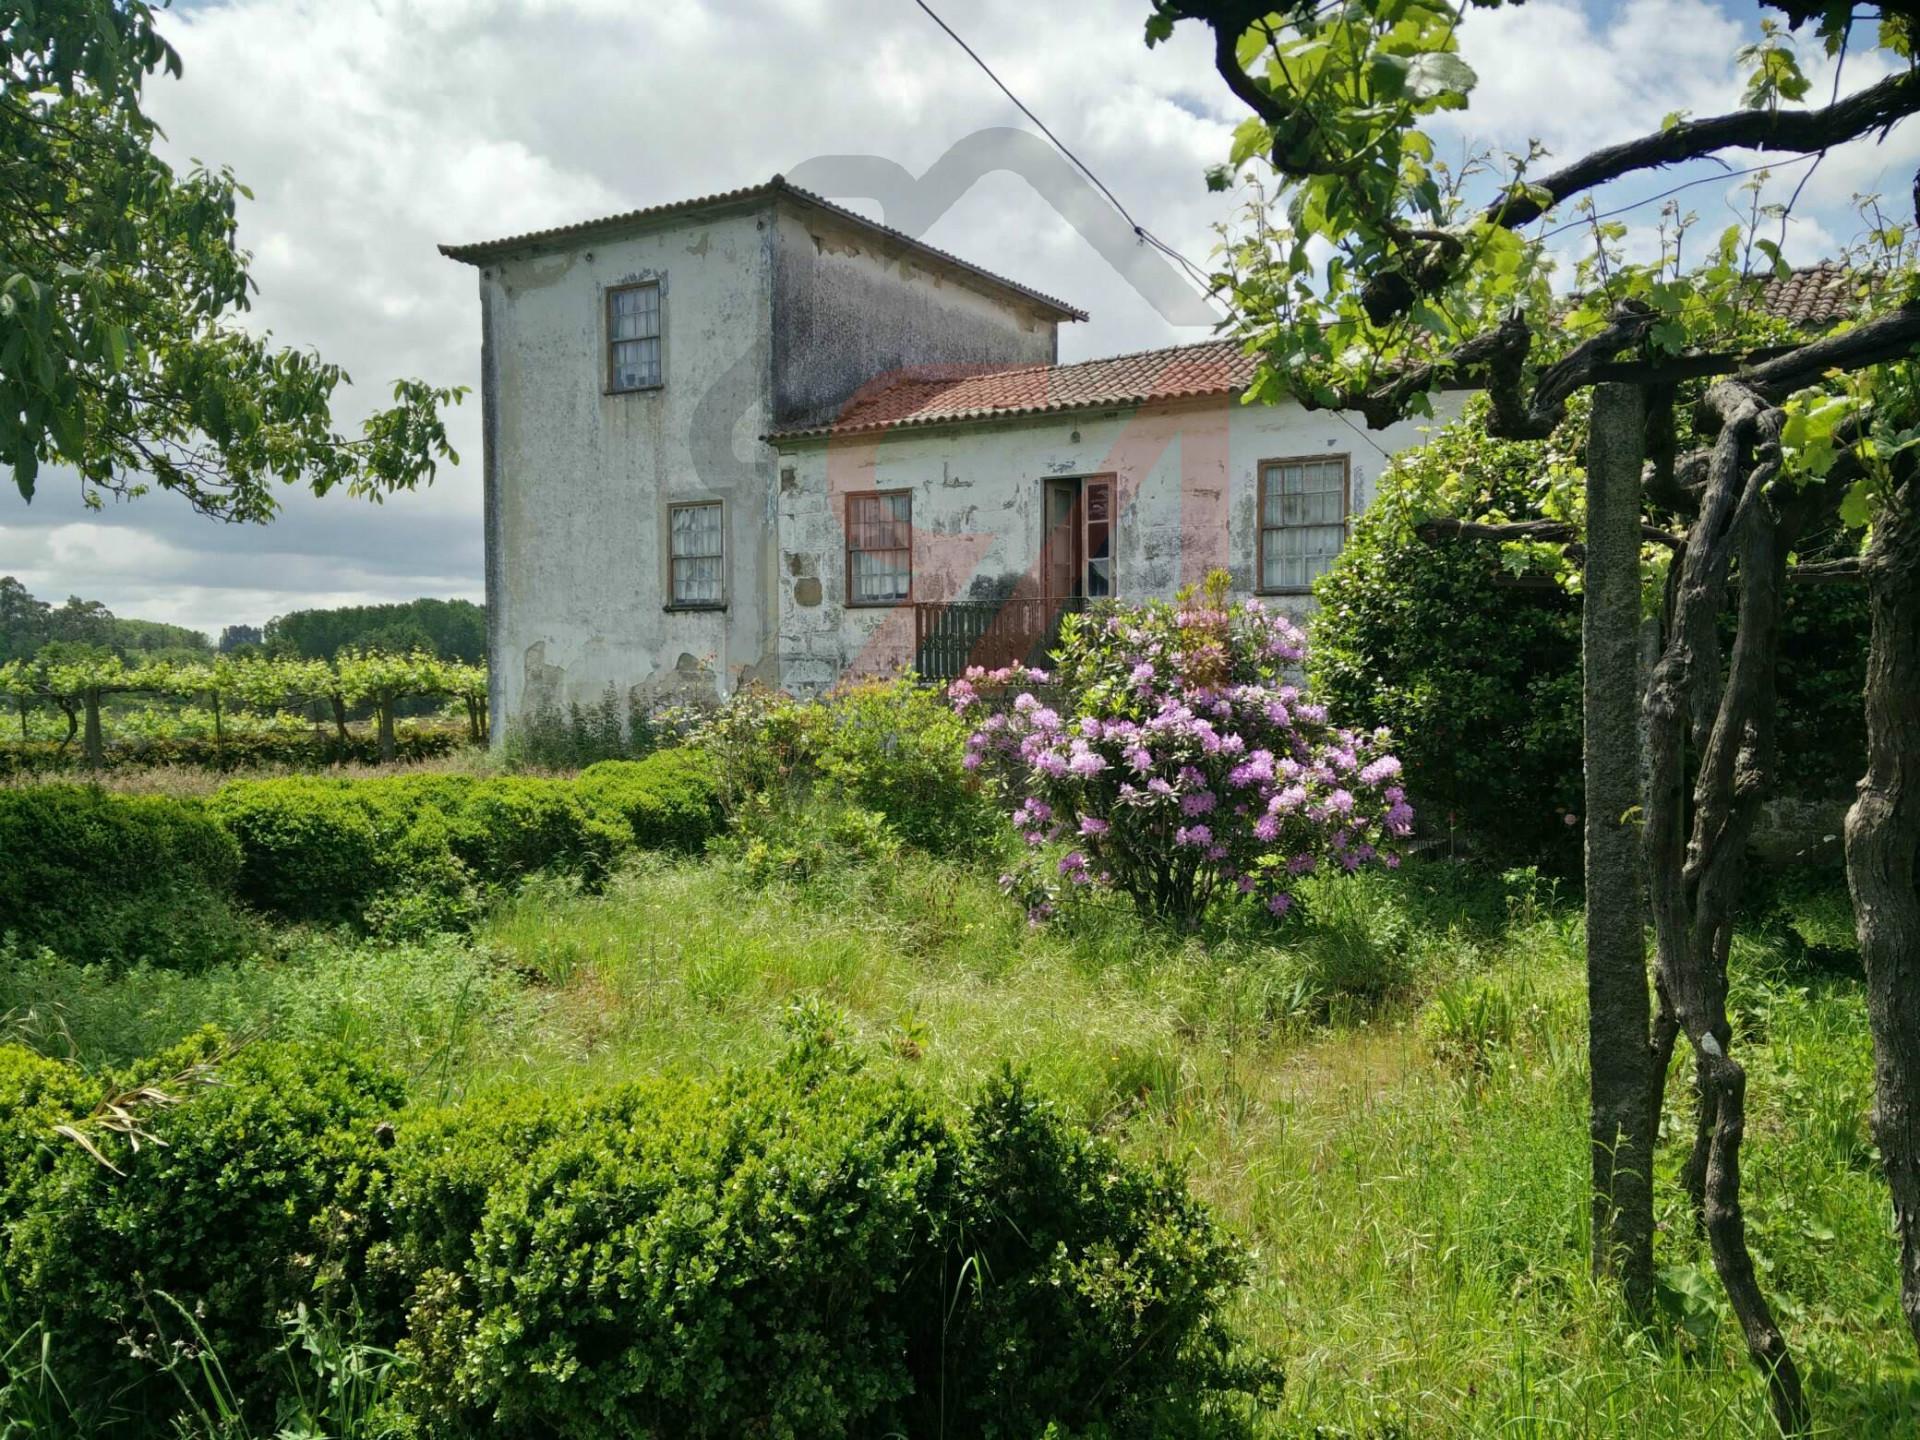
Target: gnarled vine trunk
{"x":1620,"y":1062}
{"x":95,"y":742}
{"x":1883,"y":849}
{"x":1695,"y":864}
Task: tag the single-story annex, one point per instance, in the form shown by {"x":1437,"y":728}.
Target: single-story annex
{"x":758,"y":437}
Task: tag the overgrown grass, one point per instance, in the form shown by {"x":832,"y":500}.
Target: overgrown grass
{"x":1386,"y":1098}
{"x":437,"y":1008}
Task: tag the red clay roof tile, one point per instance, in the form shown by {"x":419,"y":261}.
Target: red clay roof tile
{"x":1814,"y":297}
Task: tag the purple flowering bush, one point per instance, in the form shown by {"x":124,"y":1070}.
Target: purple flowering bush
{"x":1172,"y":754}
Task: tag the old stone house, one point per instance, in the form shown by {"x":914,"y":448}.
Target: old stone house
{"x":759,"y":437}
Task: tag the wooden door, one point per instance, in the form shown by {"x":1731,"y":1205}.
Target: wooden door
{"x":1062,"y":564}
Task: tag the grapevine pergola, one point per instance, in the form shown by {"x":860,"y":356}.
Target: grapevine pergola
{"x":1367,"y":275}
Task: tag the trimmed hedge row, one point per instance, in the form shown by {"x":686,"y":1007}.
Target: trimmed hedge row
{"x":236,"y":752}
{"x":801,"y":1250}
{"x":118,"y":878}
{"x":667,"y":801}
{"x":320,"y":849}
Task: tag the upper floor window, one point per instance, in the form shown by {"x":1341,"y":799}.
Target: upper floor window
{"x":1303,"y":520}
{"x":880,"y":548}
{"x":696,"y":554}
{"x":633,"y":337}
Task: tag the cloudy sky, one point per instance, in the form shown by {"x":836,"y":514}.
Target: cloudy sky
{"x":369,"y":130}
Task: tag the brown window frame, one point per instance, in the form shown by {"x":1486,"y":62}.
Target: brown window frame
{"x":1260,"y":526}
{"x":847,"y":519}
{"x":673,"y":602}
{"x":659,"y":336}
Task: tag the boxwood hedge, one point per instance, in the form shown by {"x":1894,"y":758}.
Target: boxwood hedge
{"x":803,"y":1250}
{"x":118,"y":878}
{"x":668,"y":801}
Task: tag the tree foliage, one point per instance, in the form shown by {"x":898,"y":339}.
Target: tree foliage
{"x":1366,"y":270}
{"x":451,"y":629}
{"x":27,"y":623}
{"x":1470,"y":651}
{"x":119,"y":283}
{"x":1476,"y":671}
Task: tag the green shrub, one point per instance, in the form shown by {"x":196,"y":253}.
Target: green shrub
{"x":1066,"y":1257}
{"x":823,"y":846}
{"x":799,"y":1250}
{"x":118,"y":878}
{"x":226,"y":1206}
{"x":502,"y":828}
{"x":426,"y":887}
{"x":36,"y":1094}
{"x":1478,"y":679}
{"x":308,"y":851}
{"x":896,"y":748}
{"x":668,"y":801}
{"x":761,"y":743}
{"x":893,"y":748}
{"x":1477,"y":671}
{"x":809,"y":1253}
{"x":409,"y":848}
{"x":689,"y":1261}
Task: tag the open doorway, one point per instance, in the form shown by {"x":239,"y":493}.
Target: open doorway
{"x":1077,"y":554}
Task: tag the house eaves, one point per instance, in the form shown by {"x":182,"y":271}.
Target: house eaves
{"x":778,"y":188}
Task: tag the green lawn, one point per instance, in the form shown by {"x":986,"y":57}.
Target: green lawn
{"x":1387,"y":1103}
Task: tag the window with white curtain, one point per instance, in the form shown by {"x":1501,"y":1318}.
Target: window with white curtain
{"x":880,"y":548}
{"x":697,"y":554}
{"x":633,"y":337}
{"x":1303,"y":520}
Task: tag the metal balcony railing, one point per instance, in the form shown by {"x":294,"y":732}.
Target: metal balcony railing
{"x":948,"y":636}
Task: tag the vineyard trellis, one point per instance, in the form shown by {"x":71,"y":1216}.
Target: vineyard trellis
{"x":79,"y":682}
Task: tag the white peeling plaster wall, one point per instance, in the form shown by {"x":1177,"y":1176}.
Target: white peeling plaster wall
{"x":852,"y":307}
{"x":583,"y":477}
{"x":1186,"y":488}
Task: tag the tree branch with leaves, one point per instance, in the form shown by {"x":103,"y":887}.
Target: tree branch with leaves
{"x":120,"y":280}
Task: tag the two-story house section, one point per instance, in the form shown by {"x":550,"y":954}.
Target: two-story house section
{"x":757,"y":437}
{"x":630,"y":367}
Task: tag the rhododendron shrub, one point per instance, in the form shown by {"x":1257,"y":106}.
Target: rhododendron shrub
{"x":1172,"y":754}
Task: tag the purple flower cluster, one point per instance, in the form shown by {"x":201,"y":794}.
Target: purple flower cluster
{"x":1179,"y":760}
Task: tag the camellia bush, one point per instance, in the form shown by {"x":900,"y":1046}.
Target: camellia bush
{"x":1173,"y":753}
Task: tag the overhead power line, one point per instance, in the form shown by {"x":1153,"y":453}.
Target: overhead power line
{"x":1198,"y":275}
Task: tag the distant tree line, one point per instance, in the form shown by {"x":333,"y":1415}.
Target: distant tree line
{"x":450,"y":629}
{"x":447,"y":629}
{"x":27,"y":624}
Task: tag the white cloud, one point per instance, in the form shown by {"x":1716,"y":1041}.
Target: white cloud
{"x":1556,"y":72}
